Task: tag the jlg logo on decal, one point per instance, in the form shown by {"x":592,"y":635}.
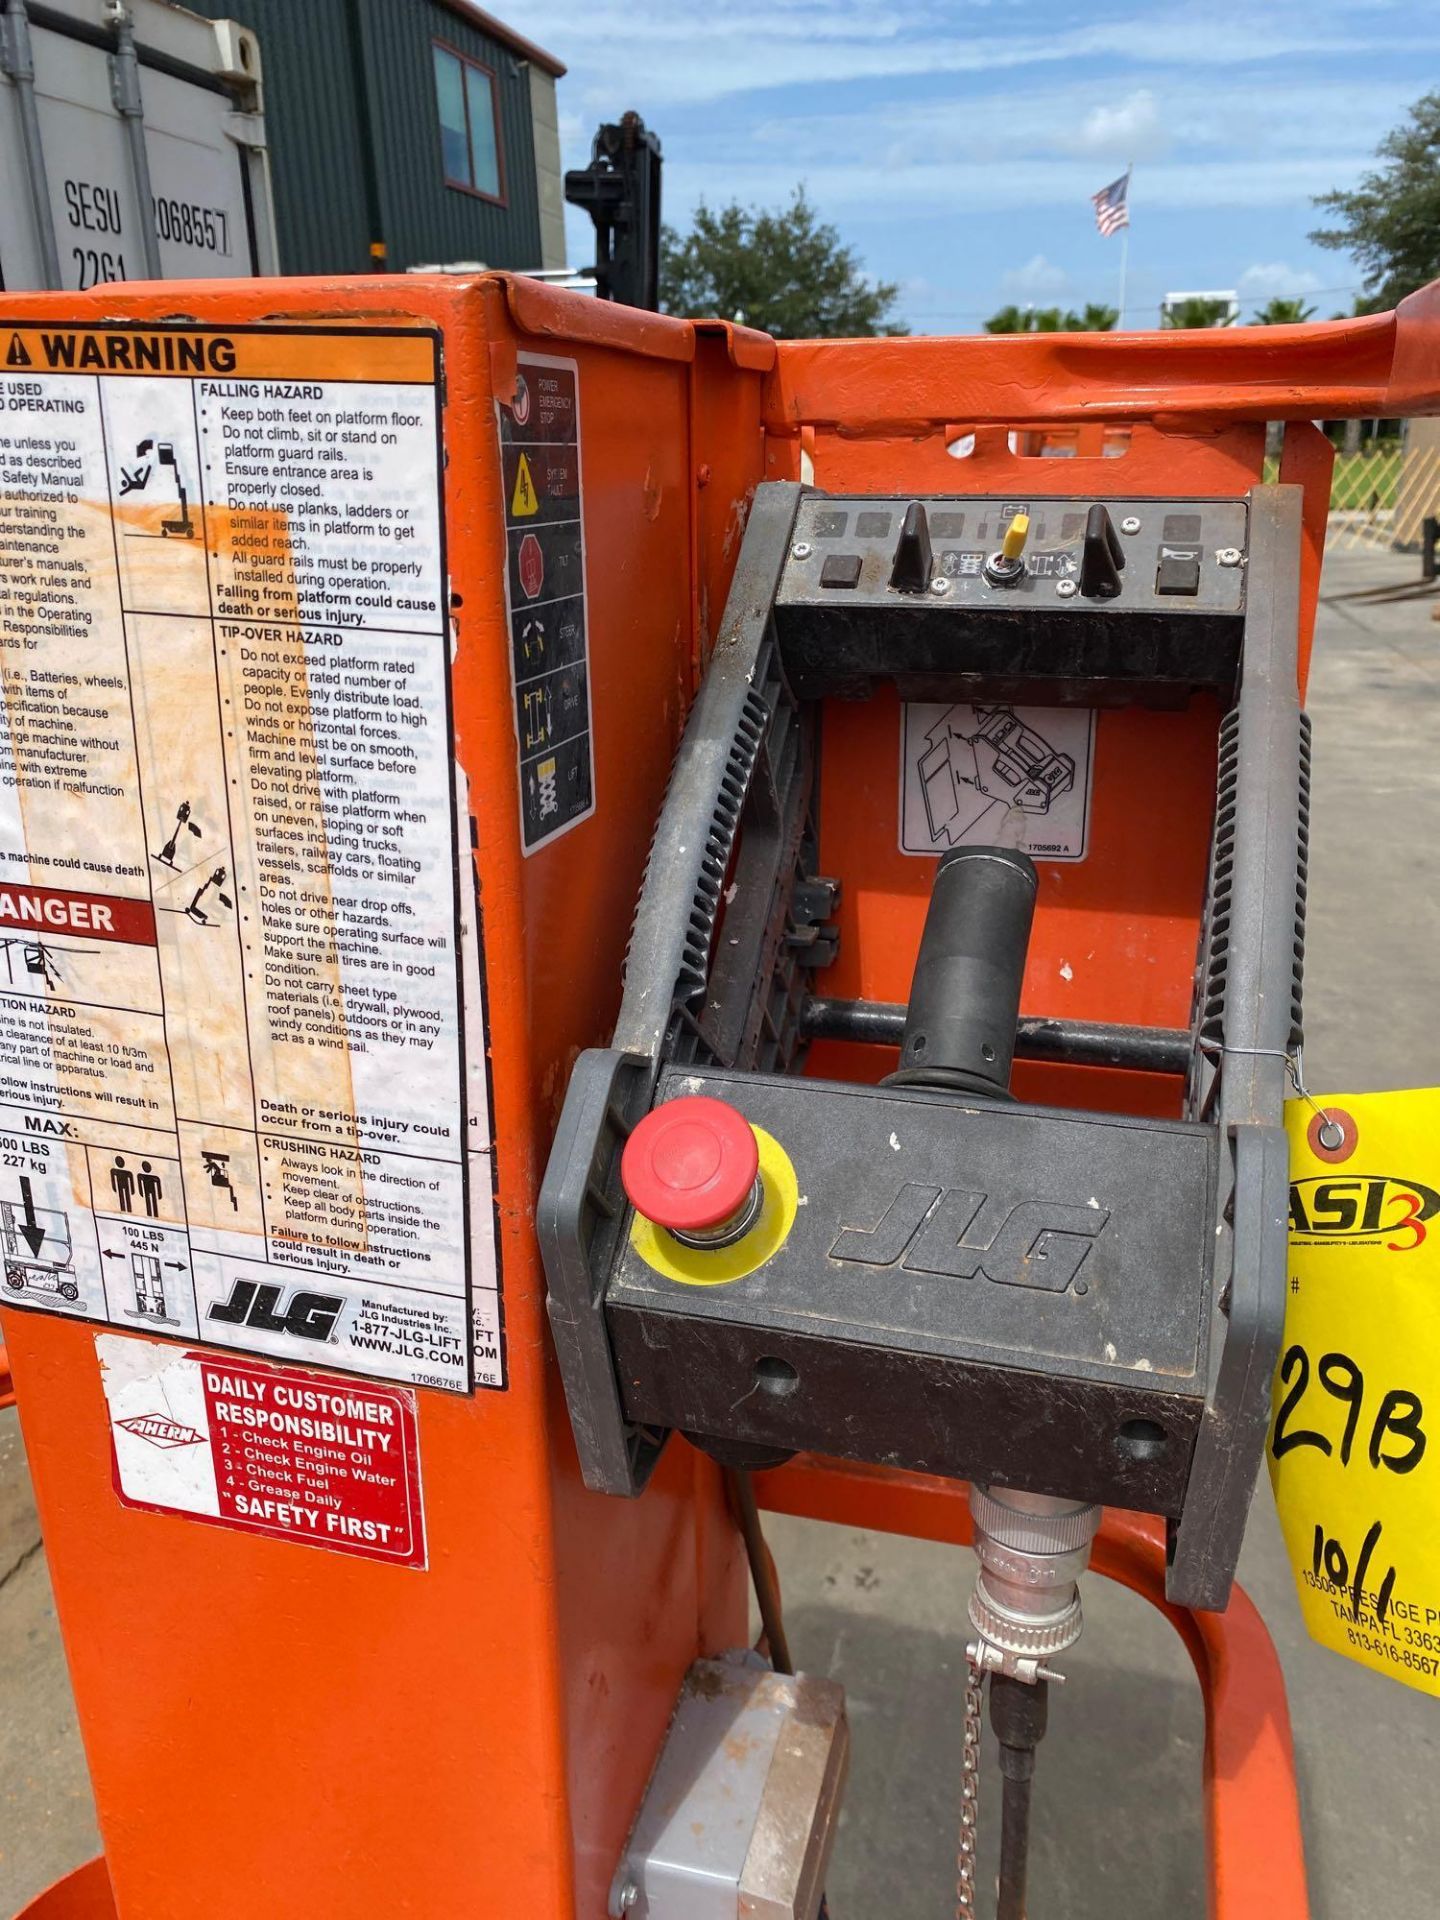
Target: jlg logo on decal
{"x":310,"y":1316}
{"x":1363,"y":1206}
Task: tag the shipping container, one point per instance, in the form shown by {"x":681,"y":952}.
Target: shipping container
{"x":132,"y":146}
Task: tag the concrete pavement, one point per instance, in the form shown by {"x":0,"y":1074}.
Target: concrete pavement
{"x":1118,"y":1799}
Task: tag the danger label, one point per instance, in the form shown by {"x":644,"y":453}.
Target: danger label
{"x":104,"y":918}
{"x":268,"y":1450}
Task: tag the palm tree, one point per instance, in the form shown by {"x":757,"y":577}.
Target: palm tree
{"x":1282,"y":313}
{"x":1011,"y":320}
{"x":1094,"y":319}
{"x":1197,"y":311}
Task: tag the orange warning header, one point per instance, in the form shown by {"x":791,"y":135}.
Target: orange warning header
{"x":266,"y":353}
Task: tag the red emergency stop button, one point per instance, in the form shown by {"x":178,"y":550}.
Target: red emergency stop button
{"x":691,"y":1165}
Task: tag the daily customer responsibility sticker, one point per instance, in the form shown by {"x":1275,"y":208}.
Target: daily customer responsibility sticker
{"x":1354,"y":1457}
{"x":271,"y":1450}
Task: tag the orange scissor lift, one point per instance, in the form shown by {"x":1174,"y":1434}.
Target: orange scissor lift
{"x":276,"y":1727}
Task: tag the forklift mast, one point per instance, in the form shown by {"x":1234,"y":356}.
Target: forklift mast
{"x":620,"y":190}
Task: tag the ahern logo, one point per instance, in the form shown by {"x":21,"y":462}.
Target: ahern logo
{"x":1363,"y":1206}
{"x":160,"y":1430}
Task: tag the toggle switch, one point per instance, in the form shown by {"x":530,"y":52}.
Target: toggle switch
{"x":692,"y":1166}
{"x":912,"y":566}
{"x":1005,"y":568}
{"x":1101,"y":557}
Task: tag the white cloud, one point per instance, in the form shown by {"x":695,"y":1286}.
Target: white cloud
{"x":1003,"y":125}
{"x":855,"y":190}
{"x":683,"y":51}
{"x":1037,"y":276}
{"x":1278,"y":279}
{"x":1131,"y":130}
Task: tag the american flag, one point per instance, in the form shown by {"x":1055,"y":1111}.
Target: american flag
{"x":1111,"y":211}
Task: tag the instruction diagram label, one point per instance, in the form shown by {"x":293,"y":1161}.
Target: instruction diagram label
{"x":545,"y":597}
{"x":232,"y":1062}
{"x":996,"y":775}
{"x":268,"y":1450}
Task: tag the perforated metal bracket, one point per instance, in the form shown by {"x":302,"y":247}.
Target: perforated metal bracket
{"x":721,"y":981}
{"x":1248,"y":1022}
{"x":737,"y":809}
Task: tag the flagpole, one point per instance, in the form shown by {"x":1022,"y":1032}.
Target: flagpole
{"x":1125,"y":249}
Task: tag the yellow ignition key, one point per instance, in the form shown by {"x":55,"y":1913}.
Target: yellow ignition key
{"x":1016,"y":534}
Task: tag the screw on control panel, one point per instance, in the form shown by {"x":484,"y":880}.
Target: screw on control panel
{"x":1229,"y":556}
{"x":939,"y":584}
{"x":801,"y":550}
{"x":1130,"y":524}
{"x":629,"y":1894}
{"x":1066,"y":589}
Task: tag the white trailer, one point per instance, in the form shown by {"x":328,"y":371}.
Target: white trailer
{"x":132,"y":146}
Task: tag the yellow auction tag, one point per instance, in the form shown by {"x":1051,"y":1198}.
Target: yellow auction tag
{"x":1355,"y":1421}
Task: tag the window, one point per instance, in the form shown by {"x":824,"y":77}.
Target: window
{"x":469,"y":124}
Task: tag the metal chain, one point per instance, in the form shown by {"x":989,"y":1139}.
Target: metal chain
{"x":969,"y":1788}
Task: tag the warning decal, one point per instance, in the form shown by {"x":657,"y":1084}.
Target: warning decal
{"x":996,"y":775}
{"x":233,"y":1086}
{"x":545,"y":596}
{"x":266,"y":1450}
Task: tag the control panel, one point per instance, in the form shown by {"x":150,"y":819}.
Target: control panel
{"x":1007,"y":590}
{"x":1175,"y":555}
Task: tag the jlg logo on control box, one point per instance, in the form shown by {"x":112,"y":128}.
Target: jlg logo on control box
{"x":1039,"y":1243}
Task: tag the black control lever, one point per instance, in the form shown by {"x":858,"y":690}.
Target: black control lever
{"x":1102,"y":557}
{"x":910,"y":572}
{"x":965,"y":997}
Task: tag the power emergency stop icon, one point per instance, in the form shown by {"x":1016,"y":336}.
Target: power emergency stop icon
{"x":530,"y":563}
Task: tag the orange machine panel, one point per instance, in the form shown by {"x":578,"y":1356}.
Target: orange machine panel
{"x":275,"y":1727}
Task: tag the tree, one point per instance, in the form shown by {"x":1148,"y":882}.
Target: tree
{"x":1012,"y":319}
{"x":1095,"y":319}
{"x":1364,"y":303}
{"x":1198,"y":311}
{"x":783,"y":270}
{"x":1282,"y":313}
{"x":1052,"y":320}
{"x":1391,"y":221}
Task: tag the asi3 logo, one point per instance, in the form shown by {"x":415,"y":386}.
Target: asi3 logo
{"x":1375,"y":1207}
{"x":309,"y":1316}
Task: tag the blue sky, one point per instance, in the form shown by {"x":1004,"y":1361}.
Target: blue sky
{"x":955,"y":143}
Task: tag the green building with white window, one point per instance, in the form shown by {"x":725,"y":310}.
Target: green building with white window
{"x":406,"y":133}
